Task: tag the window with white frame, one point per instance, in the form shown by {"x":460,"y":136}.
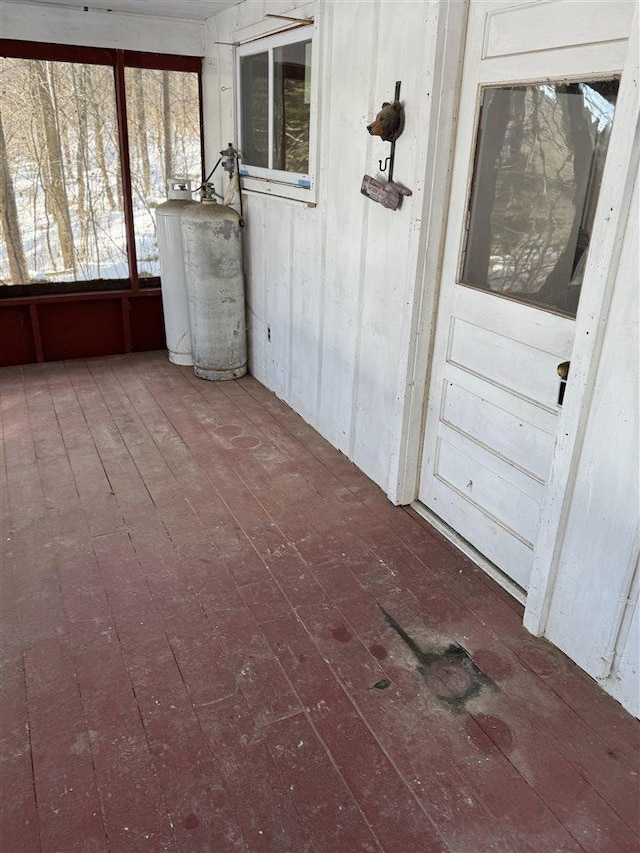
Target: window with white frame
{"x":275,"y":112}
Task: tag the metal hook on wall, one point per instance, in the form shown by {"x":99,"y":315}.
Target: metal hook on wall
{"x":389,"y":161}
{"x":388,"y":125}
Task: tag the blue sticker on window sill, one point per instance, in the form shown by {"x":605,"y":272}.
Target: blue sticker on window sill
{"x":304,"y":183}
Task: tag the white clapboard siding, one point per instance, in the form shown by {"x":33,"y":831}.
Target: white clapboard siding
{"x":387,"y":255}
{"x":346,"y":214}
{"x":279,"y":248}
{"x":254,"y":268}
{"x":331,"y":285}
{"x":306,"y":310}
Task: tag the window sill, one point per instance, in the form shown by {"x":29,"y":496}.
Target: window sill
{"x":69,"y":288}
{"x":278,"y":189}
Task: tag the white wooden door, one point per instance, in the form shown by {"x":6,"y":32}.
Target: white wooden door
{"x":537,"y":123}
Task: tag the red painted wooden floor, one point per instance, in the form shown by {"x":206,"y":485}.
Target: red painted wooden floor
{"x":196,"y":658}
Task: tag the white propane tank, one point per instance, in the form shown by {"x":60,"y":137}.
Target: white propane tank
{"x":215,"y":288}
{"x":172,"y":281}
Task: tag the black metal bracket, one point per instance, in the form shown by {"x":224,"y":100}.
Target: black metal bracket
{"x":392,"y":154}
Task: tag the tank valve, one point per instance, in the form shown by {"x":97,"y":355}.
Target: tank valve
{"x":229,"y":159}
{"x":208,"y":192}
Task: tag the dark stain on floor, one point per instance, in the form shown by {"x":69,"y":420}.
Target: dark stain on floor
{"x":451,"y":668}
{"x":341,"y":634}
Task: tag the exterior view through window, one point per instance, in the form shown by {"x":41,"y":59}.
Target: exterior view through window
{"x":163,"y":115}
{"x":275,"y":106}
{"x":63,"y":207}
{"x":539,"y":164}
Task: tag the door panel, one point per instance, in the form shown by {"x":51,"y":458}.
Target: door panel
{"x":528,"y":166}
{"x":511,"y":429}
{"x":501,"y":490}
{"x":509,"y":27}
{"x":489,"y":539}
{"x":506,"y":361}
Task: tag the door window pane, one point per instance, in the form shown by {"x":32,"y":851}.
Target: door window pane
{"x":163,"y":116}
{"x":60,"y":190}
{"x":539,"y":163}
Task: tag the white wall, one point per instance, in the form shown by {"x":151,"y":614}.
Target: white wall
{"x":332,"y":286}
{"x":335,"y":294}
{"x":593,"y":614}
{"x":99,"y":29}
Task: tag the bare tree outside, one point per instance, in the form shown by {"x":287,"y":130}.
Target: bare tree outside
{"x":140,"y":129}
{"x":9,"y":218}
{"x":166,"y":126}
{"x":54,"y":184}
{"x":164,"y":137}
{"x":292,"y":107}
{"x":61,"y":206}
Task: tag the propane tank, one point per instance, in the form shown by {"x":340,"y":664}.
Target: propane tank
{"x":215,"y":288}
{"x":172,"y":281}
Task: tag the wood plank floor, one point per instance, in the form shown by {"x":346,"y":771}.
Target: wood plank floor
{"x":219,"y":635}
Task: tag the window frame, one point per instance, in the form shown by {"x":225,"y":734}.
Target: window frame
{"x":293,"y":185}
{"x":118,"y":60}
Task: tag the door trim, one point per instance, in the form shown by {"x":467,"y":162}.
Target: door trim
{"x":419,"y":323}
{"x":591,"y":320}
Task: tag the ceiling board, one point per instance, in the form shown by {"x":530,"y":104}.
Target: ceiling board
{"x":189,"y":10}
